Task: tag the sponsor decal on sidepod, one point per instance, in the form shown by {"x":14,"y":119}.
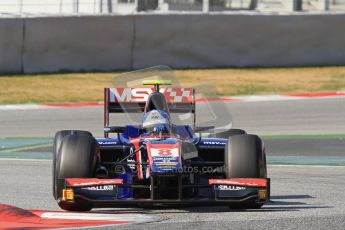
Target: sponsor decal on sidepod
{"x":214,"y":143}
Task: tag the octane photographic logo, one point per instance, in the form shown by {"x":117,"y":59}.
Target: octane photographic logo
{"x":120,"y":169}
{"x":200,"y":170}
{"x":185,"y":169}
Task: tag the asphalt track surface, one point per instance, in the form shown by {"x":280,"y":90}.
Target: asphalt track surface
{"x":302,"y":198}
{"x":310,"y":116}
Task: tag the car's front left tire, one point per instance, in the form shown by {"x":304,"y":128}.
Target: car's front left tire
{"x":56,"y":146}
{"x":77,"y":158}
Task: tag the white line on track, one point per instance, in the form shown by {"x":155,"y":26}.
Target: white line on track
{"x":132,"y":217}
{"x":22,"y":159}
{"x":21,"y":107}
{"x":25,"y":148}
{"x":320,"y":166}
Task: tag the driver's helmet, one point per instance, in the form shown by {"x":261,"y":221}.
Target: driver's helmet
{"x":156,"y":121}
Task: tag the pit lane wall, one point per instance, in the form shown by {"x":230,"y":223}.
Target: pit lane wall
{"x":87,"y":43}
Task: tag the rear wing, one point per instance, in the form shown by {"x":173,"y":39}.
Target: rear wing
{"x":133,"y":100}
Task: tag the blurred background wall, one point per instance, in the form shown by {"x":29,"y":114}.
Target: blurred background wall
{"x":85,"y":35}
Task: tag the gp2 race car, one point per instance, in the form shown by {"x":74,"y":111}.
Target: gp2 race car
{"x":157,"y":162}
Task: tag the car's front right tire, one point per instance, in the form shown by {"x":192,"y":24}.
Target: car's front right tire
{"x":245,"y":158}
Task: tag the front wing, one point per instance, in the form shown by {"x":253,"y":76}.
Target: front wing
{"x":113,"y":192}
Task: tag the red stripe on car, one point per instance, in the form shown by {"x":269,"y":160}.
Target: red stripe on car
{"x":249,"y":182}
{"x":77,"y":182}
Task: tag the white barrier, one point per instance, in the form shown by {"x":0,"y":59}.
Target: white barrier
{"x":11,"y":45}
{"x":205,"y":41}
{"x":78,"y":43}
{"x":180,"y":41}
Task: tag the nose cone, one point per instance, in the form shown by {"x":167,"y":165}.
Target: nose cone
{"x":165,"y":156}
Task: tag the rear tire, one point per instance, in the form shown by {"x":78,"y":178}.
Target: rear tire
{"x":77,"y":158}
{"x":56,"y":146}
{"x":245,"y":158}
{"x":228,"y":133}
